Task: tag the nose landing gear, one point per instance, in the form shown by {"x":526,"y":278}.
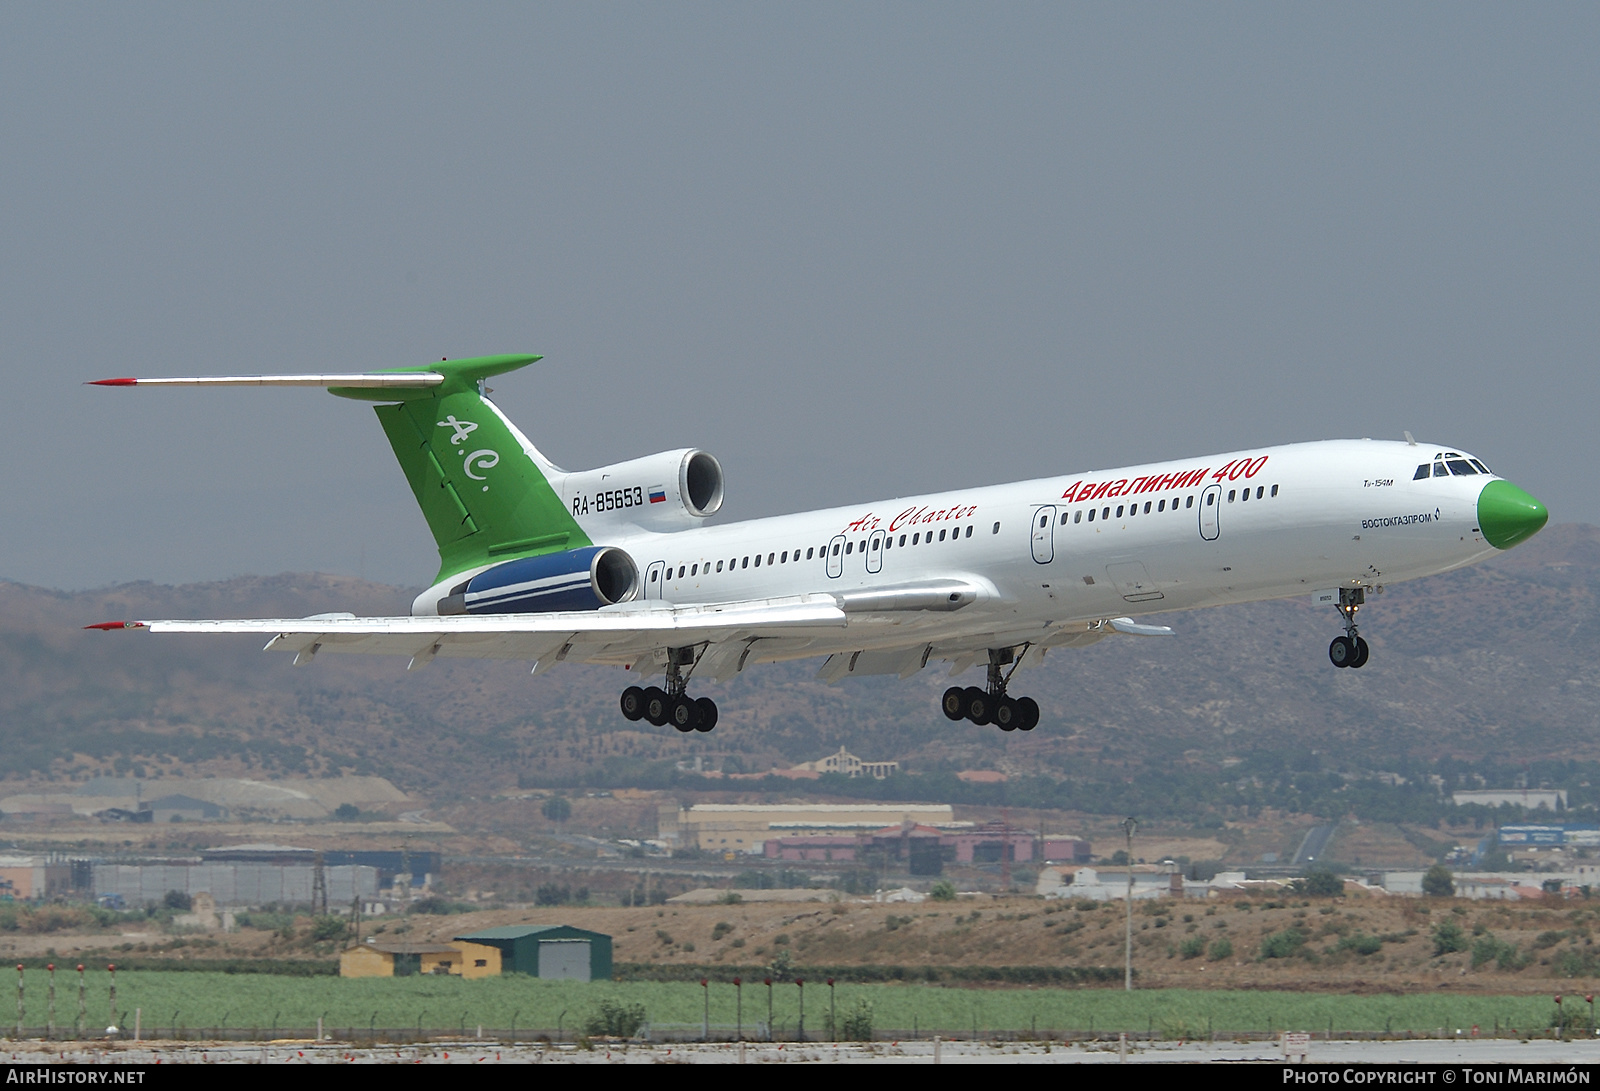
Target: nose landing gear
{"x":671,"y":705}
{"x":1349,"y":650}
{"x":992,"y":705}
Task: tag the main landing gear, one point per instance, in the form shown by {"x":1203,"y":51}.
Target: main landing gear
{"x":1349,"y":650}
{"x":671,"y":705}
{"x":991,"y":705}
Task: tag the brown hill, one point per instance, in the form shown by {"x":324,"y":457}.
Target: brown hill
{"x":1494,"y":662}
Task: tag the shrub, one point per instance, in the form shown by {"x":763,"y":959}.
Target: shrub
{"x":720,"y":929}
{"x":615,"y":1019}
{"x":857,"y":1023}
{"x":557,"y":809}
{"x":1283,"y":944}
{"x":731,"y":897}
{"x":347,"y":812}
{"x":1448,"y":938}
{"x":327,"y":927}
{"x":1193,"y":947}
{"x":1361,"y":944}
{"x":177,"y":899}
{"x":1220,"y":949}
{"x":943,"y":891}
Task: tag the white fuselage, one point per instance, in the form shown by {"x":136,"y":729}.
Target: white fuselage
{"x":1054,"y":556}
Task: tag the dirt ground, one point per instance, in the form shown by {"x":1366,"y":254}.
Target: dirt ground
{"x":1360,"y":944}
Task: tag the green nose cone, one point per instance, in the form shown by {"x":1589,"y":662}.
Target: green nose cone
{"x":1507,"y":515}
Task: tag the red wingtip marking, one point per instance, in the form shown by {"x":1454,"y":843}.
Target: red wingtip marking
{"x":113,"y":382}
{"x":107,"y":626}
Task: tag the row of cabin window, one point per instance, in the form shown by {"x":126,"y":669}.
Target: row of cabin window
{"x":917,"y":538}
{"x":1152,"y":507}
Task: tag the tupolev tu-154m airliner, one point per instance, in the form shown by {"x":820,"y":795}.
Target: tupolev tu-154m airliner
{"x":616,"y":565}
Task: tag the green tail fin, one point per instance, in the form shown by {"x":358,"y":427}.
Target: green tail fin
{"x":485,"y":499}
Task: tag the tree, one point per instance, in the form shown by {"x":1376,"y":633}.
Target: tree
{"x":347,"y":812}
{"x":1438,"y":882}
{"x":557,"y":809}
{"x":1322,"y":883}
{"x":1448,"y":938}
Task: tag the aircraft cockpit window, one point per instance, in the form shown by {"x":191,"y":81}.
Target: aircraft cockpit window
{"x":1461,"y":467}
{"x":1422,"y":472}
{"x":1439,"y":470}
{"x":1481,"y":467}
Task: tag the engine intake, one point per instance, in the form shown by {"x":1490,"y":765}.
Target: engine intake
{"x":578,"y":579}
{"x":672,"y":490}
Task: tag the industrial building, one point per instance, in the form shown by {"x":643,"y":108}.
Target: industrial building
{"x":232,"y":884}
{"x":552,"y":951}
{"x":741,"y":827}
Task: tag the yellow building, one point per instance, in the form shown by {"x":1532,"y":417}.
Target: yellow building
{"x":741,"y":827}
{"x":458,"y":959}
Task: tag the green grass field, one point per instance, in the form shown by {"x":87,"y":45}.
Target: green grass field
{"x":259,"y":1001}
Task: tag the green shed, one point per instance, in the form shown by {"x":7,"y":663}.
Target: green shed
{"x":556,"y":951}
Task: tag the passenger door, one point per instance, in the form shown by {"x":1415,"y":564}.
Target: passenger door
{"x":875,"y":552}
{"x":1044,"y":535}
{"x":836,"y":557}
{"x":1211,"y":513}
{"x":653,"y":579}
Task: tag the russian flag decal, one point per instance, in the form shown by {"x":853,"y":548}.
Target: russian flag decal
{"x":658,"y":494}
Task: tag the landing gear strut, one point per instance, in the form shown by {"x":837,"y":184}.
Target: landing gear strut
{"x":1349,"y":650}
{"x":671,"y":705}
{"x":992,"y":705}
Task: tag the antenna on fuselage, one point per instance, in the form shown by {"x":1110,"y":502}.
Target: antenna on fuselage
{"x":1409,"y":438}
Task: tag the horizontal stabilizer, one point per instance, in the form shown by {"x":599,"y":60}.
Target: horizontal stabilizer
{"x":413,"y":380}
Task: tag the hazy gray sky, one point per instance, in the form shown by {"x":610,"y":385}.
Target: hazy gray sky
{"x":854,"y":250}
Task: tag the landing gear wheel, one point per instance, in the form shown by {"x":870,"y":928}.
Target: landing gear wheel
{"x":1028,"y":713}
{"x":656,"y":706}
{"x":1007,"y":716}
{"x":682,"y":713}
{"x":1342,"y":651}
{"x":1362,"y":651}
{"x":707,"y":709}
{"x":633,"y":703}
{"x":976,"y":705}
{"x":954,"y":703}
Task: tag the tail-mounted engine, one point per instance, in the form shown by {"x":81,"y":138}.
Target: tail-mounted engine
{"x":577,"y":579}
{"x":668,"y":491}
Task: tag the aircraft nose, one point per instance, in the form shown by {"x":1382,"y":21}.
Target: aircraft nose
{"x":1507,"y":515}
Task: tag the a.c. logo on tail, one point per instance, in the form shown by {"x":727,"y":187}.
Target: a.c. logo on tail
{"x":483,"y":459}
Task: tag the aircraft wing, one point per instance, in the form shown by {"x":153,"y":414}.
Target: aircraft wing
{"x":626,"y":633}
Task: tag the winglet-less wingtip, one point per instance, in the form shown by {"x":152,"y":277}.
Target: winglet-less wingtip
{"x":112,"y":382}
{"x":107,"y":626}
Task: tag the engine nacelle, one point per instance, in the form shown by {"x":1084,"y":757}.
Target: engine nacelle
{"x":668,"y":491}
{"x":577,"y":579}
